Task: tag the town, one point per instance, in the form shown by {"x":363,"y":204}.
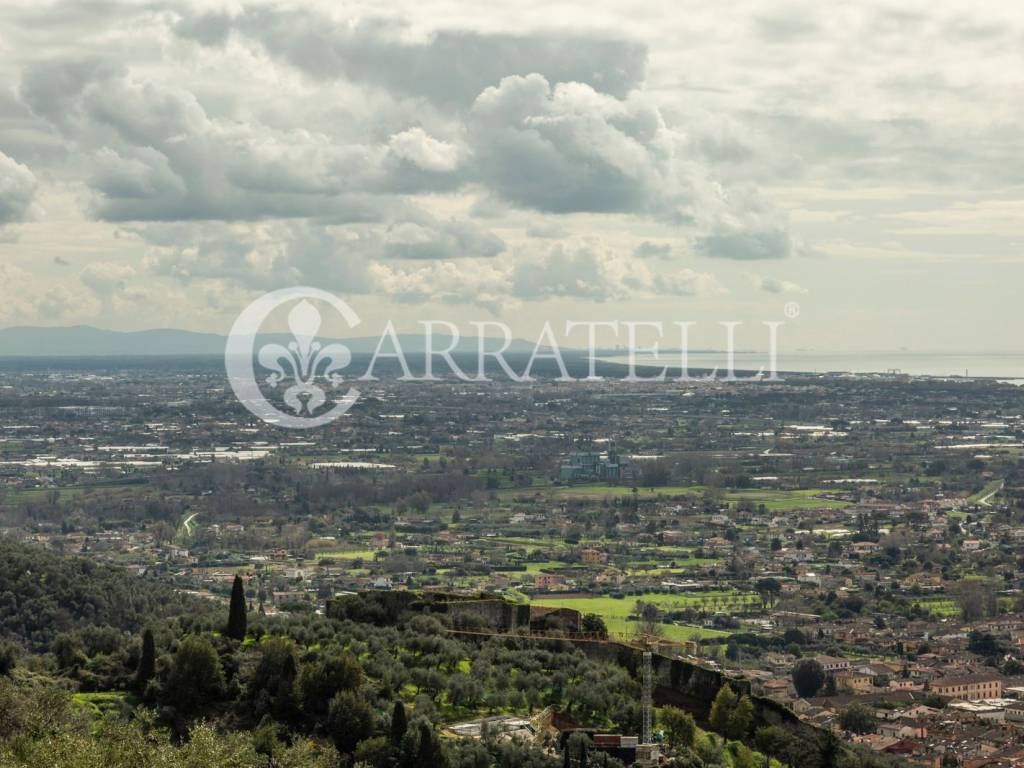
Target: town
{"x":847,"y":547}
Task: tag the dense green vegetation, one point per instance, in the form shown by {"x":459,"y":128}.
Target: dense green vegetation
{"x":370,"y":685}
{"x":44,"y":596}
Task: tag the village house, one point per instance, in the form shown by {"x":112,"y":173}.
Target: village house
{"x":968,"y":687}
{"x":831,"y":664}
{"x":850,"y":680}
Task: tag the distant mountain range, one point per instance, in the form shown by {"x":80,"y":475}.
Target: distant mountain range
{"x":87,"y":341}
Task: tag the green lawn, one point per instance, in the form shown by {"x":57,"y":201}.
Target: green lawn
{"x":987,"y":492}
{"x":786,"y":501}
{"x":538,"y":567}
{"x":601,"y":490}
{"x":615,"y":611}
{"x":346,"y":554}
{"x":774,"y":500}
{"x":70,"y":492}
{"x":939,"y":606}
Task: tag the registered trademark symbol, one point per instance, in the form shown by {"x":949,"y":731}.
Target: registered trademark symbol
{"x":791,"y":310}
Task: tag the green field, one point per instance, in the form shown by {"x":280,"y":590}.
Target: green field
{"x":538,"y":567}
{"x":600,"y":490}
{"x":346,"y":554}
{"x":774,"y":500}
{"x":70,"y":492}
{"x":988,"y":492}
{"x":785,"y":501}
{"x":615,"y":611}
{"x":939,"y":606}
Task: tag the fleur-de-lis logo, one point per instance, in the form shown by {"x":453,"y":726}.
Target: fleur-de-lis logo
{"x":304,"y":367}
{"x":304,"y":361}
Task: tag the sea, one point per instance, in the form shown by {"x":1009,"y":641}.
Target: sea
{"x":1003,"y":366}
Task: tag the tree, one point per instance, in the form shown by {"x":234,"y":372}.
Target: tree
{"x":680,"y":729}
{"x":421,"y":747}
{"x":742,"y":756}
{"x":768,"y":589}
{"x":721,"y":708}
{"x":147,"y":662}
{"x":1012,"y":668}
{"x":808,"y":677}
{"x":594,"y":624}
{"x":650,"y":618}
{"x":857,"y":718}
{"x":577,"y":750}
{"x":9,"y":653}
{"x":794,"y":635}
{"x":984,"y":644}
{"x":349,"y":721}
{"x":740,"y":719}
{"x":976,"y":599}
{"x":271,"y":689}
{"x":319,"y":680}
{"x":731,"y":715}
{"x":656,"y":473}
{"x":399,"y":723}
{"x":376,"y":751}
{"x":466,"y":690}
{"x":196,"y":678}
{"x":236,"y":611}
{"x":830,"y":686}
{"x":68,"y":652}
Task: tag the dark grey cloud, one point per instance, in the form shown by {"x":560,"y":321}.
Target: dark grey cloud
{"x":450,"y":68}
{"x":53,"y":88}
{"x":151,"y":153}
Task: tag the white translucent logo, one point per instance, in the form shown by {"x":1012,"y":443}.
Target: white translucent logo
{"x":302,"y":373}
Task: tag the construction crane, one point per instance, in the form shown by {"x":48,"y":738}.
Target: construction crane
{"x":648,"y":696}
{"x":647,"y":752}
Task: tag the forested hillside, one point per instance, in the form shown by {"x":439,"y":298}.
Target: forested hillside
{"x":43,"y":595}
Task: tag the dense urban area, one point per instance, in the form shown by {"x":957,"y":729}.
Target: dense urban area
{"x":821,"y":571}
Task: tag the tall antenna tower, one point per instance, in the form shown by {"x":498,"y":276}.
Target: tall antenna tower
{"x":648,"y":689}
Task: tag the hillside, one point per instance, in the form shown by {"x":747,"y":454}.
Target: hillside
{"x":43,"y":594}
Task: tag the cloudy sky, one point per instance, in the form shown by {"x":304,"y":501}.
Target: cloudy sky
{"x":163,"y":163}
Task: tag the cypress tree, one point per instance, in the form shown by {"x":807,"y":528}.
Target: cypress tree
{"x":430,"y":751}
{"x":147,"y":663}
{"x":236,"y":612}
{"x":399,"y":723}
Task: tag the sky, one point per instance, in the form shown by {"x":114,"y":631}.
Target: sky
{"x":162,"y":164}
